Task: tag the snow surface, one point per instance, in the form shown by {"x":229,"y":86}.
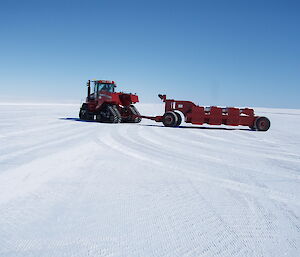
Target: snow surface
{"x":73,"y":188}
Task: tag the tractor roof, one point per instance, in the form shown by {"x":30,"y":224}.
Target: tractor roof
{"x":104,"y":81}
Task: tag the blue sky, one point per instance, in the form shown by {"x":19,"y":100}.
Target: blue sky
{"x":214,"y":52}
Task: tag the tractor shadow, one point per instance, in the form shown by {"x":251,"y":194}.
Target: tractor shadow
{"x":77,"y":119}
{"x":192,"y":127}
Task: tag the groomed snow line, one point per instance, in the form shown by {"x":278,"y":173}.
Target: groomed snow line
{"x":75,"y":188}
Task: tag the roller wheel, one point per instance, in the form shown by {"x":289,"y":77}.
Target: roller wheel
{"x":179,"y":119}
{"x":262,"y":124}
{"x":170,"y":119}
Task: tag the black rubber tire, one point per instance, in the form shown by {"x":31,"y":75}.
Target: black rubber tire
{"x":262,"y":124}
{"x":117,"y":114}
{"x":134,"y":111}
{"x":170,"y":119}
{"x":131,"y":111}
{"x":84,"y":113}
{"x":113,"y":117}
{"x":179,"y":119}
{"x":99,"y":118}
{"x":110,"y":114}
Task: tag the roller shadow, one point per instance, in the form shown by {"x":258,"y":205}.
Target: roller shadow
{"x":192,"y":127}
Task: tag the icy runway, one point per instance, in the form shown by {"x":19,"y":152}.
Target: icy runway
{"x":74,"y":188}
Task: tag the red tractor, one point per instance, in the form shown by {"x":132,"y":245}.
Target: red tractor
{"x":106,"y":105}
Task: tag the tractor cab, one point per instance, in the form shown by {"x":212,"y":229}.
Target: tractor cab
{"x":100,"y":87}
{"x":104,"y":85}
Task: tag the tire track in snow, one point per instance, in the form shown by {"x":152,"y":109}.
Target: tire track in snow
{"x":161,"y":141}
{"x":266,"y":224}
{"x":225,"y":236}
{"x":66,"y":136}
{"x":196,"y":139}
{"x":212,"y":149}
{"x":122,"y":145}
{"x":222,"y":182}
{"x":45,"y":128}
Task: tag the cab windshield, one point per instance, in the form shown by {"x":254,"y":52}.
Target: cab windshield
{"x":106,"y":87}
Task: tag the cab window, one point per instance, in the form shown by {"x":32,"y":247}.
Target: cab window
{"x":107,"y":87}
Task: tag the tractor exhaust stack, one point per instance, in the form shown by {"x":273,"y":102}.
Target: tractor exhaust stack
{"x":89,"y":89}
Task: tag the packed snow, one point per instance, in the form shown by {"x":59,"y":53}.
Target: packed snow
{"x":74,"y":188}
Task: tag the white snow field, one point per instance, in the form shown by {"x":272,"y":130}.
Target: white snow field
{"x":74,"y":188}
